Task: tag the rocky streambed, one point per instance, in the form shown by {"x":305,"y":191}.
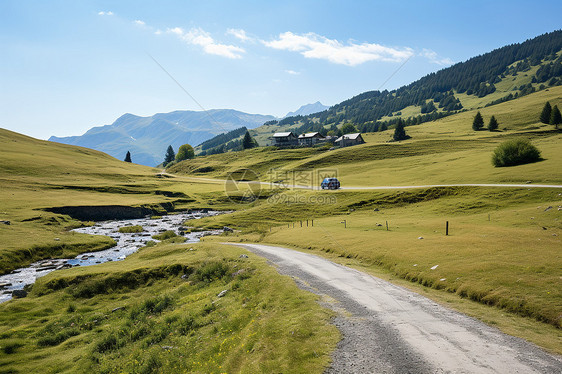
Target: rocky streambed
{"x":127,"y":243}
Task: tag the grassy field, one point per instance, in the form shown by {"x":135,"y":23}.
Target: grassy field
{"x":142,"y":316}
{"x":443,"y":151}
{"x":503,"y":250}
{"x":500,"y":261}
{"x":36,"y":175}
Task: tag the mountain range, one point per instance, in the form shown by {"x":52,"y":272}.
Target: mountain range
{"x":147,"y":138}
{"x":308,"y":109}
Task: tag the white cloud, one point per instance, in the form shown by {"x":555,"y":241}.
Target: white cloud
{"x":292,"y":72}
{"x":200,"y":37}
{"x":312,"y":45}
{"x":139,"y":22}
{"x":239,"y":34}
{"x":434,"y":58}
{"x":102,"y":13}
{"x":158,"y":32}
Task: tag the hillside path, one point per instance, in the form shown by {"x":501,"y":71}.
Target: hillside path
{"x":389,"y":329}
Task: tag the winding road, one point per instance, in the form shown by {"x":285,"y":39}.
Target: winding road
{"x":388,"y":329}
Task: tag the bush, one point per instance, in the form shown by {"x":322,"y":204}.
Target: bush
{"x":515,"y":152}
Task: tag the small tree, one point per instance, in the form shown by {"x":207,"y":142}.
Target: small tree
{"x":493,"y":125}
{"x":170,"y":156}
{"x":555,"y":116}
{"x":399,"y":132}
{"x":128,"y":157}
{"x":348,"y":128}
{"x":248,"y":142}
{"x":185,"y":152}
{"x":478,"y":122}
{"x":545,"y":114}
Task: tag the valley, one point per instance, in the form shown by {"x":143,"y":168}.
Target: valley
{"x":425,"y":237}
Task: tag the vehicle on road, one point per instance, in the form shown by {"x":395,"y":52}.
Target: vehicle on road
{"x":330,"y":184}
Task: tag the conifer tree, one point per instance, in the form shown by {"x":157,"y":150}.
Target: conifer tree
{"x":248,"y":142}
{"x":545,"y":114}
{"x":399,"y":132}
{"x":128,"y":157}
{"x":170,"y":156}
{"x":478,"y":122}
{"x":493,"y":125}
{"x":555,"y":116}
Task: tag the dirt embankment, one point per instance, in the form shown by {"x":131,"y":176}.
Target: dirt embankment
{"x":108,"y":212}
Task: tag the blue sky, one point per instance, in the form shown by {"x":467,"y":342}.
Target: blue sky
{"x":67,"y":66}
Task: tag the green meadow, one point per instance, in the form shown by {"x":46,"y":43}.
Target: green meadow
{"x":159,"y":311}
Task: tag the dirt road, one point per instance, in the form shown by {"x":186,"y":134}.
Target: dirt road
{"x":388,"y":329}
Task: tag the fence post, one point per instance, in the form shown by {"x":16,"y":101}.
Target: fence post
{"x":386,"y":225}
{"x":447,"y":228}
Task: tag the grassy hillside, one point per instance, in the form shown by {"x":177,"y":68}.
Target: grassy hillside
{"x":443,"y":151}
{"x":503,"y":247}
{"x":36,"y":175}
{"x":500,"y":75}
{"x":141,"y":316}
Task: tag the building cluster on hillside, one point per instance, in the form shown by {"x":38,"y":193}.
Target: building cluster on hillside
{"x":289,"y":139}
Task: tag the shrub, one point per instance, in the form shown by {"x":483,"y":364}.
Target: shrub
{"x":515,"y":152}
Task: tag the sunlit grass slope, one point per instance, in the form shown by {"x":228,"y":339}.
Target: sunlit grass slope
{"x":36,"y":174}
{"x":443,"y":151}
{"x":159,"y":311}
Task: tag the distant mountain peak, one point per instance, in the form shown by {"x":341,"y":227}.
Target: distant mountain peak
{"x":308,"y":109}
{"x":147,"y":138}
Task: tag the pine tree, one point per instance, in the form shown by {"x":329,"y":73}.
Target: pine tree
{"x":545,"y":114}
{"x":493,"y":125}
{"x":399,"y":132}
{"x":555,"y":116}
{"x":248,"y":142}
{"x":128,"y":157}
{"x":170,"y":156}
{"x":478,"y":122}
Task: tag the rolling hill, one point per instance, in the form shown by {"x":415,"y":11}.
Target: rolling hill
{"x":148,"y":137}
{"x":501,"y":75}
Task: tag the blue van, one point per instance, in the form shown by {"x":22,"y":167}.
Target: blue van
{"x":330,"y":184}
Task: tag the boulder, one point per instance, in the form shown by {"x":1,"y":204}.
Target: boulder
{"x":227,"y":229}
{"x":19,"y":293}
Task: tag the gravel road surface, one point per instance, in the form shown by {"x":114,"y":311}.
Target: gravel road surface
{"x":388,"y":329}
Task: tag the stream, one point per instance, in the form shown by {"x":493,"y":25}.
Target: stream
{"x":127,"y":243}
